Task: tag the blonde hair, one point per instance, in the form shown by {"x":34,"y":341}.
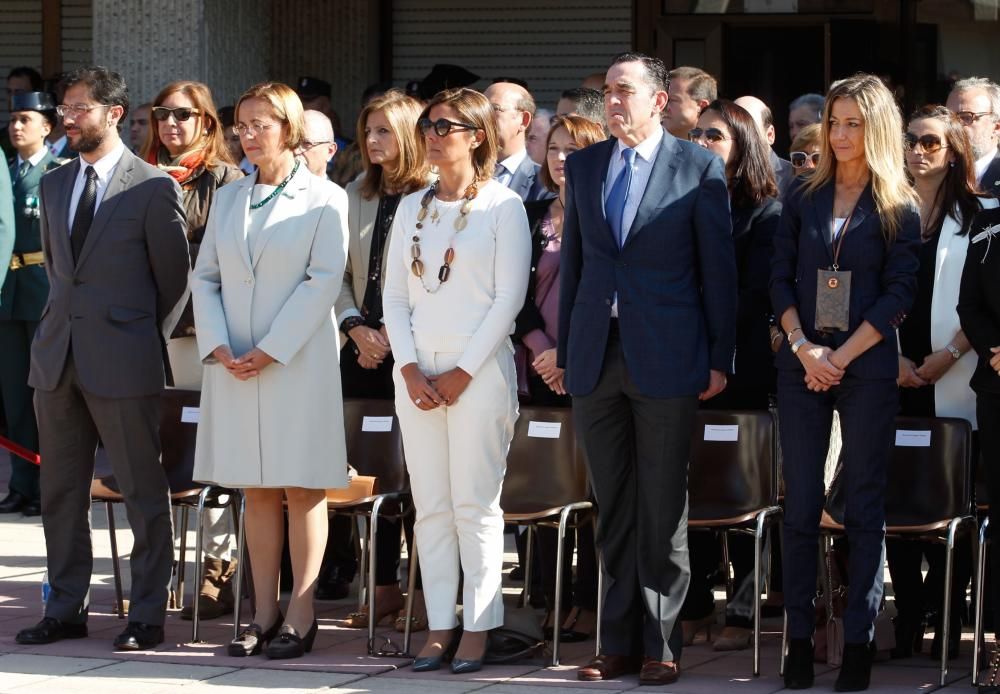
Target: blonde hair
{"x":287,"y":108}
{"x":883,"y":148}
{"x":214,"y":144}
{"x":474,"y":109}
{"x":807,"y":137}
{"x":410,"y":171}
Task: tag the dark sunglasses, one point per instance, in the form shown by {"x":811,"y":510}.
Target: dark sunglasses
{"x":181,"y":113}
{"x":442,"y":126}
{"x":799,"y":159}
{"x":929,"y":143}
{"x":713,"y":135}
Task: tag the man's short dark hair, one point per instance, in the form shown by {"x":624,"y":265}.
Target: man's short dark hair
{"x":106,"y":86}
{"x":701,"y":85}
{"x":31,"y":73}
{"x":589,"y":103}
{"x":656,"y":70}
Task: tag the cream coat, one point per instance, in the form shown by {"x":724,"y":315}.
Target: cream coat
{"x":284,"y":428}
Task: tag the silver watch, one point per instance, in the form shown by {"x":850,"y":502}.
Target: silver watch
{"x":955,"y":353}
{"x":798,"y":344}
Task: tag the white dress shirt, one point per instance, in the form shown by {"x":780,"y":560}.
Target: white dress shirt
{"x":510,"y":165}
{"x":33,"y":159}
{"x":642,"y":167}
{"x":56,"y":147}
{"x":105,"y":169}
{"x":983,"y":163}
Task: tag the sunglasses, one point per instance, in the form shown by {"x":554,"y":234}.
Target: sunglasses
{"x":799,"y":159}
{"x":181,"y":113}
{"x":929,"y":143}
{"x":442,"y":126}
{"x":712,"y":135}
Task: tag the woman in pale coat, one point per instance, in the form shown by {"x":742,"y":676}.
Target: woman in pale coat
{"x":264,"y":287}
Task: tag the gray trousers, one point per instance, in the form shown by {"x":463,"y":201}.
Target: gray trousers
{"x":637,"y":452}
{"x":70,"y":423}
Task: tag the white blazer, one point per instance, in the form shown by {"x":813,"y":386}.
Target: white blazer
{"x":284,"y":428}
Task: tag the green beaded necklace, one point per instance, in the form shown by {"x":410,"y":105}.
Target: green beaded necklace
{"x":277,"y":191}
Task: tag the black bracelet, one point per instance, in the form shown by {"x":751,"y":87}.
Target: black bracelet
{"x":350,"y":323}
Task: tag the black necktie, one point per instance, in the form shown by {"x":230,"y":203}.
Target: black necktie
{"x":84,"y":213}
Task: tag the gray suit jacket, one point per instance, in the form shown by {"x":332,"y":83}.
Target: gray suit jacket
{"x":527,"y":183}
{"x":784,"y":173}
{"x":117,"y":304}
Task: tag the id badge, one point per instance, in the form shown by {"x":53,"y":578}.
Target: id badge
{"x":833,"y":300}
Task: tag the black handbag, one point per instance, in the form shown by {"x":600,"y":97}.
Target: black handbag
{"x":520,"y":637}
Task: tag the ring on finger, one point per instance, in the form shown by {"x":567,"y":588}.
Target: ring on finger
{"x":417,"y":401}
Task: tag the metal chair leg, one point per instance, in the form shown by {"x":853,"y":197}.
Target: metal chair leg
{"x":199,"y":561}
{"x":411,"y":586}
{"x":980,"y":581}
{"x":115,"y":561}
{"x":724,"y":541}
{"x":370,"y":570}
{"x":557,"y":608}
{"x":757,"y":548}
{"x":528,"y":561}
{"x":600,"y":600}
{"x":946,"y":610}
{"x":365,"y":550}
{"x":182,"y":562}
{"x":240,"y":566}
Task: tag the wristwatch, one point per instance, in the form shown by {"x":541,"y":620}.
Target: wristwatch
{"x":791,"y":332}
{"x":797,"y":345}
{"x":955,"y":353}
{"x":350,"y":323}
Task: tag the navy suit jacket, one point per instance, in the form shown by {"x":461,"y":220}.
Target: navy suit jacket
{"x":883,"y":275}
{"x":527,"y":183}
{"x":675,"y":276}
{"x":991,"y":178}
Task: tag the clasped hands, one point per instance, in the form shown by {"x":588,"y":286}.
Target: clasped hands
{"x":934,"y":367}
{"x":246,"y":367}
{"x":824,"y":367}
{"x":428,"y":393}
{"x":545,"y":366}
{"x":373,"y":345}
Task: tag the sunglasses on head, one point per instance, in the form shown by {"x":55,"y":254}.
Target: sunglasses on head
{"x":712,"y":135}
{"x":799,"y":159}
{"x":181,"y":113}
{"x":442,"y":126}
{"x":929,"y":143}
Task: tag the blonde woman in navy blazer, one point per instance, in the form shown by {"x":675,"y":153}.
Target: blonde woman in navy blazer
{"x":860,"y":179}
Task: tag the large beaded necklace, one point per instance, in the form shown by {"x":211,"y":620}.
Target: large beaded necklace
{"x":277,"y":191}
{"x":417,"y":265}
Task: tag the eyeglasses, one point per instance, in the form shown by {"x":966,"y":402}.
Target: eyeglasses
{"x":970,"y":117}
{"x":442,"y":126}
{"x":497,"y":108}
{"x":76,"y":110}
{"x":799,"y":159}
{"x":309,"y":144}
{"x":712,"y":135}
{"x":929,"y":143}
{"x":181,"y":113}
{"x":255,"y":129}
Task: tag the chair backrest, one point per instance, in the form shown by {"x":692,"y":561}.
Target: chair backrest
{"x":732,"y":473}
{"x":545,"y":467}
{"x":929,"y":477}
{"x":178,"y":432}
{"x":374,"y":444}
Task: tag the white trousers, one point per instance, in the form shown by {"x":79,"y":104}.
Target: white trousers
{"x":457,"y":457}
{"x":186,"y":367}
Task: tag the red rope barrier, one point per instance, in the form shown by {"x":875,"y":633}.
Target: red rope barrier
{"x":20,"y":451}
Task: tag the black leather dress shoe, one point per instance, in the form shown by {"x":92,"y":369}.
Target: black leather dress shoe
{"x":139,"y":637}
{"x":12,"y":503}
{"x":50,"y":630}
{"x":31,"y":509}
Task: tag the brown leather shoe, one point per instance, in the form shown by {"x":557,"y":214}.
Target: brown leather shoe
{"x":608,"y":667}
{"x":657,"y":672}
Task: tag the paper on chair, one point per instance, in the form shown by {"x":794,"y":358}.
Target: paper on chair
{"x":913,"y":439}
{"x":544,"y":430}
{"x":722,"y":432}
{"x":190,"y":415}
{"x":376,"y":424}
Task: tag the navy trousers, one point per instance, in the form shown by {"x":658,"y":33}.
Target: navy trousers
{"x":867,"y":412}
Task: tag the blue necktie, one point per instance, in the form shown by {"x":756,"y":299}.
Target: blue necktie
{"x":614,"y":206}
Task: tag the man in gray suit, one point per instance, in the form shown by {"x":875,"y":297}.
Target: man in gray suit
{"x":513,"y":109}
{"x":114,"y":239}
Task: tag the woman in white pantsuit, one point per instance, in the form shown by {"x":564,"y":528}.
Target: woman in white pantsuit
{"x":269,"y":271}
{"x":457,"y":272}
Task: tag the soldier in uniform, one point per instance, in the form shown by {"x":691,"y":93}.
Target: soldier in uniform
{"x":25,"y":289}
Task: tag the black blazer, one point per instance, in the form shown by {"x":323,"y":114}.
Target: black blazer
{"x":991,"y":178}
{"x":753,"y":237}
{"x":979,"y":298}
{"x":530,"y":318}
{"x":883,"y":279}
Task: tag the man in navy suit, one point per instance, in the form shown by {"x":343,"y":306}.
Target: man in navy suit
{"x":646,"y":328}
{"x":513,"y":109}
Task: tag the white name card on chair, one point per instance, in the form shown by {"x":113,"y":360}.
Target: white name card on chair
{"x":190,"y":415}
{"x":913,"y":439}
{"x":376,"y":424}
{"x":544,"y":430}
{"x":722,"y":432}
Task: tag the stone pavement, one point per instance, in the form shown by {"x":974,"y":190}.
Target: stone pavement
{"x":339,"y":662}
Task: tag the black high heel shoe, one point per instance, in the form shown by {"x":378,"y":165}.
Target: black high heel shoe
{"x":799,"y":672}
{"x":428,"y":663}
{"x":909,"y":636}
{"x":289,"y":644}
{"x":252,"y":639}
{"x":856,"y":670}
